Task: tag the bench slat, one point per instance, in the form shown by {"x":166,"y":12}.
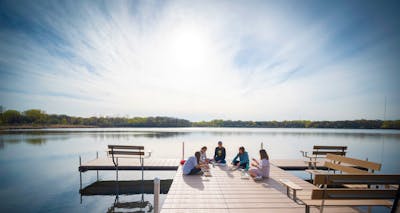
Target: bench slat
{"x":342,"y":168}
{"x":328,"y":152}
{"x":353,"y":194}
{"x":330,"y":147}
{"x":331,"y":179}
{"x":352,"y":202}
{"x":125,"y":152}
{"x":355,"y":162}
{"x":125,"y":147}
{"x":290,"y":184}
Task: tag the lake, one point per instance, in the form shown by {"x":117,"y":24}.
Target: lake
{"x":39,"y":168}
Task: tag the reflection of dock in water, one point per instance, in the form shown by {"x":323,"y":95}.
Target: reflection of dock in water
{"x":134,"y":207}
{"x":124,"y":187}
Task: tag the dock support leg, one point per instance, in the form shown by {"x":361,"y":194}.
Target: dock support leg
{"x":97,"y":157}
{"x":116,"y":177}
{"x":80,"y":173}
{"x":80,"y":178}
{"x":156,"y":195}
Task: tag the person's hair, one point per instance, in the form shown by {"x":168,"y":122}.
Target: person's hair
{"x":197,"y":155}
{"x":204,"y":147}
{"x":219,"y":142}
{"x":241,"y":148}
{"x":263,"y":154}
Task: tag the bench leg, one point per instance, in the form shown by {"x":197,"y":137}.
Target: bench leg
{"x":294,"y":195}
{"x":307,"y":209}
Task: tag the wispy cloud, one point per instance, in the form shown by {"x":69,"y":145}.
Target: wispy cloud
{"x":260,"y":60}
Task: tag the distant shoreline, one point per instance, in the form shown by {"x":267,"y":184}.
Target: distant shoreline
{"x":57,"y":126}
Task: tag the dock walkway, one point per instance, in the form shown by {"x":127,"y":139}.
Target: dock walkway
{"x":225,"y":191}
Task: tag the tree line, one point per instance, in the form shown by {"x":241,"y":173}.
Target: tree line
{"x":37,"y":117}
{"x":353,"y":124}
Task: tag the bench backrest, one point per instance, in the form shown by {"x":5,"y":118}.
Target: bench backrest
{"x":363,"y":167}
{"x":124,"y":150}
{"x":337,"y":179}
{"x":324,"y":150}
{"x":351,"y":193}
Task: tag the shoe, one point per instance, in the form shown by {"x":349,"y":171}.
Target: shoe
{"x":258,"y":178}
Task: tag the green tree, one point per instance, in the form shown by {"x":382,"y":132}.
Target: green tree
{"x":11,"y":117}
{"x":35,"y":116}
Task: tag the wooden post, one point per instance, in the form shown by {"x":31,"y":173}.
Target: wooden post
{"x":183,"y":150}
{"x":262,"y":145}
{"x":156,"y":195}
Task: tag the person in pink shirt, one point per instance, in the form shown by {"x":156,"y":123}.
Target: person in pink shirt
{"x":260,"y":169}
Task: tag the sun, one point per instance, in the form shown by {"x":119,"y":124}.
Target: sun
{"x":189,"y":47}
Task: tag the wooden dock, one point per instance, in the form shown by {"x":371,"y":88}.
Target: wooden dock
{"x":172,"y":164}
{"x":226,"y":191}
{"x":130,"y":164}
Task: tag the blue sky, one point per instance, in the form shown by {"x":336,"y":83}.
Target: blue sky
{"x":200,"y":60}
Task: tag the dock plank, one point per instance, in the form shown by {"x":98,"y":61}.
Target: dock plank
{"x":106,"y":163}
{"x":225,"y":191}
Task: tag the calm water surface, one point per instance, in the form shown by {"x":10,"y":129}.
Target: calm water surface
{"x":39,"y":168}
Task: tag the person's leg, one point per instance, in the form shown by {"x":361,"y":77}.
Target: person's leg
{"x":252,"y":172}
{"x":222,"y":161}
{"x":235,"y":162}
{"x":243,"y":165}
{"x":194,"y":171}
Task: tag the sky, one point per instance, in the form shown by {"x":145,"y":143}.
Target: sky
{"x":202,"y":60}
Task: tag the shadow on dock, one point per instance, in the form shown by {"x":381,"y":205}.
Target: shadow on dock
{"x":124,"y":187}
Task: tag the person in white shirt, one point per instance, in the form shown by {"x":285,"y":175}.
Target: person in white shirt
{"x":193,"y":165}
{"x":260,"y":169}
{"x":203,"y":155}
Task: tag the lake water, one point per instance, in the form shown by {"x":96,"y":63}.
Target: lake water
{"x":39,"y":168}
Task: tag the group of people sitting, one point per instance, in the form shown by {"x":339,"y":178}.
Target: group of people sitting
{"x":259,"y":169}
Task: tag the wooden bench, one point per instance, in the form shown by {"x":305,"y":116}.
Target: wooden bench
{"x":290,"y":185}
{"x":126,"y":151}
{"x":354,"y":197}
{"x":346,"y":165}
{"x":321,"y":152}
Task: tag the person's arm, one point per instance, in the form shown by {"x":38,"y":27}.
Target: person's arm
{"x":256,"y":161}
{"x":223,"y":154}
{"x":216,"y":153}
{"x":234,"y":159}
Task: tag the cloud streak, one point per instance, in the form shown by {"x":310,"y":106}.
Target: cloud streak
{"x":262,"y":60}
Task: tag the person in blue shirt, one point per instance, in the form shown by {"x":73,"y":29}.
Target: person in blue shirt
{"x":193,"y":165}
{"x":243,"y":161}
{"x":219,"y":154}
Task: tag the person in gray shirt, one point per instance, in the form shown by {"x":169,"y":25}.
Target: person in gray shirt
{"x":193,"y":165}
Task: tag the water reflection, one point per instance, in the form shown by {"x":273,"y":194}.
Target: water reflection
{"x":39,"y":138}
{"x":126,"y":188}
{"x":139,"y":205}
